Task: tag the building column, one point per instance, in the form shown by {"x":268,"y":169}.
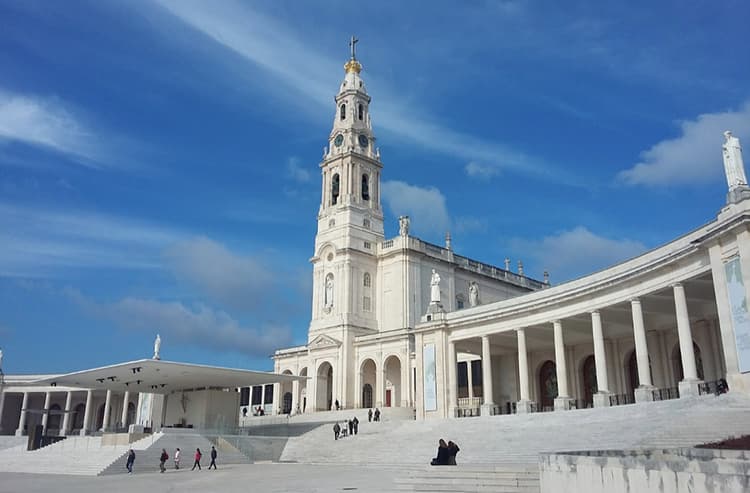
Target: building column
{"x":263,"y":397}
{"x":380,"y":381}
{"x":87,"y":412}
{"x":2,"y":407}
{"x":489,"y":402}
{"x":107,"y":405}
{"x":45,"y":415}
{"x":295,"y":397}
{"x":563,"y":399}
{"x":22,"y":419}
{"x":66,"y":417}
{"x":601,"y":398}
{"x":124,"y":414}
{"x":524,"y":405}
{"x":452,"y":380}
{"x":689,"y":384}
{"x":644,"y":391}
{"x":277,"y":398}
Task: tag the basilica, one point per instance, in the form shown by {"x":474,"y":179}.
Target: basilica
{"x":402,"y":322}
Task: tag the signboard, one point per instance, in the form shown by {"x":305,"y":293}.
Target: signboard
{"x":430,"y":383}
{"x":740,"y":312}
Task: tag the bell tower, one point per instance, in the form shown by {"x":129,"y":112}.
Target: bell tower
{"x":350,"y":217}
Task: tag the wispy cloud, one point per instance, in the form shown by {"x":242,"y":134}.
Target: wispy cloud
{"x":576,"y":252}
{"x":36,"y":241}
{"x":694,"y":156}
{"x":280,"y":52}
{"x":296,"y":172}
{"x":481,"y":171}
{"x":196,"y":325}
{"x":424,"y":205}
{"x":48,"y":123}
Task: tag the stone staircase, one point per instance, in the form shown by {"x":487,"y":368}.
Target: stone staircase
{"x":497,"y":479}
{"x":75,"y":455}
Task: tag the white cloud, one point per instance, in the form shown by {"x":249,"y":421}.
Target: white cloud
{"x":35,"y":241}
{"x":48,"y":124}
{"x":694,"y":156}
{"x":297,"y":172}
{"x":481,"y":171}
{"x":240,"y":282}
{"x":197,"y":325}
{"x":282,"y":54}
{"x":469,"y":224}
{"x":425,"y":206}
{"x":576,"y":252}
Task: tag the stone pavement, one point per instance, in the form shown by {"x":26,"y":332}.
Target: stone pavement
{"x":235,"y":478}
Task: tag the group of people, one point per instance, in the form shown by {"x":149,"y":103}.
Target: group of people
{"x":376,"y":414}
{"x":446,"y":454}
{"x":352,"y":426}
{"x":164,"y":457}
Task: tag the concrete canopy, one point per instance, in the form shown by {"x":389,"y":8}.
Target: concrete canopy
{"x":163,"y":377}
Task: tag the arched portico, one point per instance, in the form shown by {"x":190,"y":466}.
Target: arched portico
{"x":368,"y":383}
{"x":286,"y":390}
{"x":392,"y":373}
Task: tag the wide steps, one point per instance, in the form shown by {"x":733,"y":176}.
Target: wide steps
{"x":470,"y":479}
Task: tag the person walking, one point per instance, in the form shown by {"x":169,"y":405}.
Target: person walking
{"x":351,"y":427}
{"x":213,"y":458}
{"x":355,"y":421}
{"x":377,"y":414}
{"x":163,"y":459}
{"x":369,"y":416}
{"x":197,"y":462}
{"x":177,"y":455}
{"x":336,"y":431}
{"x":129,"y":462}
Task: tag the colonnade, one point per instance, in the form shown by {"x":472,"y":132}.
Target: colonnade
{"x":644,"y":392}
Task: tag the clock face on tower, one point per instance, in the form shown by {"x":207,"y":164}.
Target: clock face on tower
{"x":338,"y":140}
{"x":363,"y":141}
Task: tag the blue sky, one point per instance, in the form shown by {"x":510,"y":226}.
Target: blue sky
{"x":158,"y":160}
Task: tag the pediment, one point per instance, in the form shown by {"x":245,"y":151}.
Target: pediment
{"x":323,"y":341}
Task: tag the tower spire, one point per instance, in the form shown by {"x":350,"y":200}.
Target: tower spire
{"x":353,"y":65}
{"x":352,"y":45}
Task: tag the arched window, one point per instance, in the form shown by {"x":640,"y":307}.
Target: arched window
{"x":367,"y":280}
{"x":365,"y":187}
{"x":360,"y":112}
{"x":335,"y":189}
{"x":342,"y":112}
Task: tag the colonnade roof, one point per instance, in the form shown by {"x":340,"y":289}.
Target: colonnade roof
{"x":163,"y":377}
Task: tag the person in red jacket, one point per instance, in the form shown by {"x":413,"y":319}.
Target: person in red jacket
{"x":197,"y":462}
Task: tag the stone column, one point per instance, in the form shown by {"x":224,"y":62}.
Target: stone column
{"x":601,"y":398}
{"x":124,"y":415}
{"x":87,"y":412}
{"x":380,"y":377}
{"x":2,"y":407}
{"x":489,"y":401}
{"x":563,"y":399}
{"x":689,"y":384}
{"x":276,"y":399}
{"x":45,"y":416}
{"x":470,"y":379}
{"x":66,"y":417}
{"x":452,"y":380}
{"x":22,"y":419}
{"x":524,"y":405}
{"x":644,"y":392}
{"x":263,"y":397}
{"x":107,"y":405}
{"x":295,"y":396}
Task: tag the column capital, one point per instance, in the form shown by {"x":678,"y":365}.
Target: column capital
{"x":676,"y":285}
{"x":595,"y":312}
{"x":635,"y":301}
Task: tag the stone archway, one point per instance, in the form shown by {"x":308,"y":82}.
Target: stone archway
{"x":284,"y":389}
{"x":368,"y":370}
{"x":547,"y":385}
{"x":324,"y":387}
{"x":590,"y":386}
{"x":392,"y":396}
{"x":302,"y":399}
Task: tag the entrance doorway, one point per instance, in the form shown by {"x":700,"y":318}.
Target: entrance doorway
{"x":367,"y":395}
{"x":388,"y":398}
{"x":287,"y":407}
{"x":547,"y":385}
{"x":324,"y":388}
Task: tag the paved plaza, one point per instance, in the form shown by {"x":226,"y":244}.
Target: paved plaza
{"x":268,"y":478}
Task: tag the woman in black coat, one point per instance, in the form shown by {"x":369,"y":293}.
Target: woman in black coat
{"x":442,"y":454}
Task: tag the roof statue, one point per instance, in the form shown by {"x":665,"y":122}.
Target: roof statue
{"x":733,"y":166}
{"x":157,"y":347}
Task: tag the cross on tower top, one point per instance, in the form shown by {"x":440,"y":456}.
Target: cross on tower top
{"x":352,"y":44}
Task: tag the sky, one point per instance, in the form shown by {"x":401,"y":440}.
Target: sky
{"x":159,"y":159}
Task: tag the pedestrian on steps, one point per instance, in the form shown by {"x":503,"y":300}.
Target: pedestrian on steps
{"x":131,"y":459}
{"x":177,"y":455}
{"x":452,"y":451}
{"x":369,"y":416}
{"x":351,"y":427}
{"x":197,"y":462}
{"x":336,"y":431}
{"x":163,"y":459}
{"x":355,"y":421}
{"x":377,"y":414}
{"x":213,"y":458}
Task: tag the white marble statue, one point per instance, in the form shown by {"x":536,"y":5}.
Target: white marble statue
{"x":473,"y":294}
{"x":403,"y":225}
{"x":157,"y":347}
{"x":435,"y":287}
{"x":1,"y":360}
{"x":329,"y":292}
{"x":733,"y":166}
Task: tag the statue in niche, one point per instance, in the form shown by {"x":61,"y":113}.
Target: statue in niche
{"x":329,"y":292}
{"x":473,"y":294}
{"x":435,"y":288}
{"x":733,"y":165}
{"x":157,"y":347}
{"x":403,"y":225}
